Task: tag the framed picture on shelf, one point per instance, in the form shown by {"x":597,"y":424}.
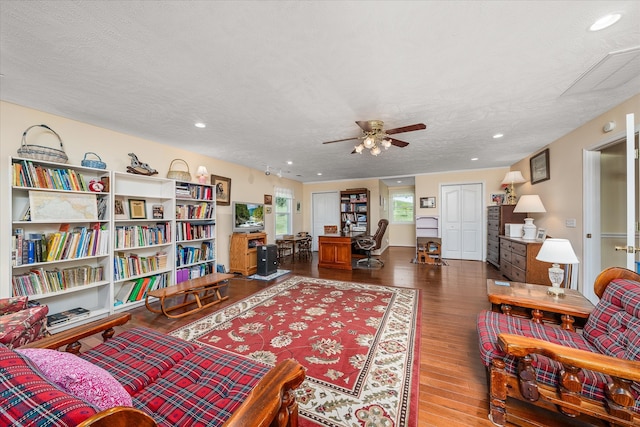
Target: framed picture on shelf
{"x":223,"y":189}
{"x":542,"y":234}
{"x":498,"y":198}
{"x":45,"y":206}
{"x":158,"y":211}
{"x":119,"y":209}
{"x":427,"y":202}
{"x":137,"y":209}
{"x":539,"y":165}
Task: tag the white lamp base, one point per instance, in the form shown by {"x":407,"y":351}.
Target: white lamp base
{"x":528,"y":229}
{"x":556,"y":291}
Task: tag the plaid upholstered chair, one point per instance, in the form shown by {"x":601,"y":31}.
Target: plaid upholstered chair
{"x":20,"y":324}
{"x":593,"y":374}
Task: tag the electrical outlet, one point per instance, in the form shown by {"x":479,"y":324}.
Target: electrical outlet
{"x":570,"y":223}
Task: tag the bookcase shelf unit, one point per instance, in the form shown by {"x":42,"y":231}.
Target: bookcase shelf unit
{"x":354,"y":207}
{"x":195,"y":230}
{"x":143,"y":239}
{"x":60,"y":237}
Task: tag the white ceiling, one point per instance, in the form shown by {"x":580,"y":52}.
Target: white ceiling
{"x":274,"y":79}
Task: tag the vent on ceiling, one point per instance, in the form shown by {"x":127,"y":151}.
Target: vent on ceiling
{"x":614,"y":70}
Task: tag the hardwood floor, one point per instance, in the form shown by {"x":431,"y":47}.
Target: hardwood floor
{"x":453,"y":390}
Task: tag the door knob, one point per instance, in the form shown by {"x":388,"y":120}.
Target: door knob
{"x":627,"y":249}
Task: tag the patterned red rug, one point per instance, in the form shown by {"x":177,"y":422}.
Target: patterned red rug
{"x":359,"y":343}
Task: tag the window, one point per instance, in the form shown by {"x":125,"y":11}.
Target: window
{"x":401,"y":206}
{"x":284,"y":211}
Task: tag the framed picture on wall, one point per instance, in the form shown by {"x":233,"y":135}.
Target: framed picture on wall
{"x":427,"y":202}
{"x":539,"y":165}
{"x":223,"y":189}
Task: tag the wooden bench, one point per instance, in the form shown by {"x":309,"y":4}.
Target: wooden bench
{"x":201,"y":288}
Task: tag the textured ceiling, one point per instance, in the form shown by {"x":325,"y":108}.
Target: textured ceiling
{"x":273,"y":80}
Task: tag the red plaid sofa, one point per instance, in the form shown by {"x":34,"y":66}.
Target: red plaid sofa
{"x":613,"y":330}
{"x":175,"y":382}
{"x":20,"y":324}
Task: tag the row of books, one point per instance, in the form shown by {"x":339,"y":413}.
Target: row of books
{"x":41,"y":281}
{"x":26,"y":174}
{"x":189,"y":231}
{"x":135,"y":236}
{"x":349,"y":207}
{"x":188,"y":255}
{"x":129,"y":265}
{"x":136,"y":290}
{"x":202,"y":210}
{"x":192,"y":191}
{"x":67,"y":316}
{"x":79,"y":243}
{"x":183,"y":274}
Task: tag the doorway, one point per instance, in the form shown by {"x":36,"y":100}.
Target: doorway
{"x":325,"y":208}
{"x":462,"y":221}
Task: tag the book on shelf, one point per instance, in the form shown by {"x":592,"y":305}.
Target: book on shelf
{"x":67,"y":315}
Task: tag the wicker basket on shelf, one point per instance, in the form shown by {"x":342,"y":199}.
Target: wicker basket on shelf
{"x":178,"y":174}
{"x":39,"y":152}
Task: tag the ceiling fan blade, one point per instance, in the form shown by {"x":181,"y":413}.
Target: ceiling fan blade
{"x":364,"y":125}
{"x":410,"y":128}
{"x":340,"y":140}
{"x":398,"y":143}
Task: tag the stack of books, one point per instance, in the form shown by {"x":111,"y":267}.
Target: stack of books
{"x":67,"y":315}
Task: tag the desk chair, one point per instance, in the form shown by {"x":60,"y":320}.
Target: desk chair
{"x":372,"y":243}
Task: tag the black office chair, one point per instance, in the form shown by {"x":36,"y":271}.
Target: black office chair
{"x":372,"y":243}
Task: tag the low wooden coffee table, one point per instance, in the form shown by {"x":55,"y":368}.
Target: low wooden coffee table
{"x":527,"y":300}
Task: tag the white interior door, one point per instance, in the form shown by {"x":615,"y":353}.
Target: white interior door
{"x":326,"y":211}
{"x":632,"y":244}
{"x":462,"y":223}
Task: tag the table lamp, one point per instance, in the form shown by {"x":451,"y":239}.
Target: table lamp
{"x":557,"y":251}
{"x":202,"y":173}
{"x":512,"y":177}
{"x":529,"y":204}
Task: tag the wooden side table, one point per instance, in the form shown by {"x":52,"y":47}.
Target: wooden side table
{"x":527,"y":300}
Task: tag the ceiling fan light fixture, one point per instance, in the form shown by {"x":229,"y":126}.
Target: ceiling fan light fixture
{"x":375,"y":150}
{"x":359,"y":148}
{"x":386,"y":143}
{"x":369,"y":141}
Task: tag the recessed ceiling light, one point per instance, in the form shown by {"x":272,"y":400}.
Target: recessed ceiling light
{"x":289,"y":162}
{"x":605,"y":22}
{"x":200,"y":125}
{"x":474,"y":159}
{"x":399,"y":181}
{"x":319,"y":173}
{"x":498,"y":135}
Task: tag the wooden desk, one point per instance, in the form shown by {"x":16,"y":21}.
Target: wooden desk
{"x":515,"y":298}
{"x":201,"y":289}
{"x":334,"y":250}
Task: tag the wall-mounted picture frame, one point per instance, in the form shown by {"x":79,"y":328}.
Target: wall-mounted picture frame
{"x":498,"y":198}
{"x":137,"y":209}
{"x":268,"y":209}
{"x":539,"y":165}
{"x":427,"y":202}
{"x":298,"y":207}
{"x":542,"y":234}
{"x":268,"y":199}
{"x":223,"y":190}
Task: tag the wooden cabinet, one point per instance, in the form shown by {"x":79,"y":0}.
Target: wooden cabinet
{"x":497,"y":217}
{"x":334,"y":251}
{"x":354,"y":207}
{"x":518,"y":261}
{"x":243,"y":256}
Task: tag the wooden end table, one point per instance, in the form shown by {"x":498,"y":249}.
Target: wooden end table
{"x":527,"y":300}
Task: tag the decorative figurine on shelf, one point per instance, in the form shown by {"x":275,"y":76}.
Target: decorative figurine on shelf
{"x":96,"y":186}
{"x":140,"y":168}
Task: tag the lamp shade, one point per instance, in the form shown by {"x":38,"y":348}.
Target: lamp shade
{"x":529,"y":203}
{"x":513,"y":177}
{"x":557,"y":251}
{"x":201,"y":171}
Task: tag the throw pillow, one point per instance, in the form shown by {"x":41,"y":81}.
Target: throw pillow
{"x":79,"y":377}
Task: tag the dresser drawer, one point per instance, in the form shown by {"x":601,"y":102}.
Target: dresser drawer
{"x":518,"y":275}
{"x":519,"y":248}
{"x":493,"y":213}
{"x":493,"y":224}
{"x":505,"y":257}
{"x":492,"y":257}
{"x":493,"y":246}
{"x":493,"y":235}
{"x":505,"y":269}
{"x":505,"y":245}
{"x":519,"y":261}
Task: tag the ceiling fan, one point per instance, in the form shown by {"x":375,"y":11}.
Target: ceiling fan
{"x":374,"y":136}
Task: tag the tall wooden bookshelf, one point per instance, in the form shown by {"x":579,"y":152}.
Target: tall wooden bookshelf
{"x":355,"y":208}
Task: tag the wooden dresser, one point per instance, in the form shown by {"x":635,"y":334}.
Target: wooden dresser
{"x":518,"y":261}
{"x":497,"y":217}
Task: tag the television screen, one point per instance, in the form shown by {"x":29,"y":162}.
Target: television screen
{"x":248,"y":217}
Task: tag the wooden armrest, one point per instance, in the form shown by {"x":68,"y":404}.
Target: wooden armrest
{"x":520,"y":346}
{"x":265,"y":402}
{"x":73,"y":335}
{"x":119,"y":416}
{"x":607,"y":275}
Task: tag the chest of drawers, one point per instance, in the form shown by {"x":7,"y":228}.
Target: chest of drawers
{"x":518,"y":261}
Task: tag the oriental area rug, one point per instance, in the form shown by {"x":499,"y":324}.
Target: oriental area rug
{"x":359,"y":344}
